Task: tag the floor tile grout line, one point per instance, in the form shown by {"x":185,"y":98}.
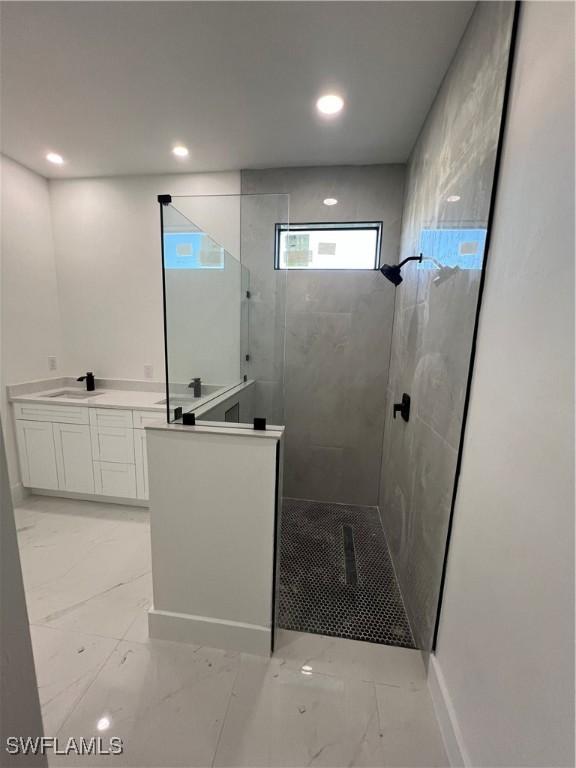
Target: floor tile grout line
{"x":79,"y":632}
{"x":81,"y":697}
{"x":221,"y":731}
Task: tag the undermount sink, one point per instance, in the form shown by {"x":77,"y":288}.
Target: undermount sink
{"x":77,"y":394}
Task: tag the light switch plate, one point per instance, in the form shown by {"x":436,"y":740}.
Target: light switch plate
{"x":52,"y":363}
{"x":148,"y":371}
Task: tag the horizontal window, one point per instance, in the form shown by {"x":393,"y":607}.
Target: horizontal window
{"x":350,"y":245}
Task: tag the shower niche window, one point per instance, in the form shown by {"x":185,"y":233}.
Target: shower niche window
{"x":346,"y":245}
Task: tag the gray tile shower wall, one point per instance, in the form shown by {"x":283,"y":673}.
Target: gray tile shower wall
{"x":338,"y":327}
{"x":433,"y":324}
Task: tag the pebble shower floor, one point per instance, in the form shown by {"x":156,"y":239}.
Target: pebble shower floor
{"x":336,"y":576}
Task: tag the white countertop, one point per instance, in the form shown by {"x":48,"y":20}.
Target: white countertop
{"x":127,"y":399}
{"x":111,"y":398}
{"x":103,"y":398}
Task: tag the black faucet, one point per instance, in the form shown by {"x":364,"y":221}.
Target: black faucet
{"x":196,"y":385}
{"x":89,"y":378}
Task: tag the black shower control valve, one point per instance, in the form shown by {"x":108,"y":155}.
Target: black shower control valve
{"x":403,"y":408}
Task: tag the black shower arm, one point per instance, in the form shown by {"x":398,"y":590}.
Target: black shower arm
{"x":410,"y":258}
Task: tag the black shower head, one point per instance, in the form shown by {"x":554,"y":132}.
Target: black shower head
{"x":392,"y":272}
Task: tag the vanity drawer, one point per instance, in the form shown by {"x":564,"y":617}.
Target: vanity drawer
{"x":60,"y":414}
{"x":143,"y":418}
{"x":110,"y":417}
{"x":115,"y":479}
{"x":113,"y":444}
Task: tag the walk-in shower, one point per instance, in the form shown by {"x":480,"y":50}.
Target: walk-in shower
{"x":273,"y":297}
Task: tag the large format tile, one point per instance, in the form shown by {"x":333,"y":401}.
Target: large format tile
{"x":66,"y":665}
{"x":434,"y":319}
{"x":282,"y":717}
{"x":114,"y":561}
{"x":166,"y":701}
{"x":409,"y":731}
{"x":86,"y":565}
{"x":314,"y":703}
{"x":54,"y":536}
{"x":110,"y":613}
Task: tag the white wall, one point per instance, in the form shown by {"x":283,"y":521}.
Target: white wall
{"x":31,"y":327}
{"x":107,"y":240}
{"x":506,"y":643}
{"x":19,"y":702}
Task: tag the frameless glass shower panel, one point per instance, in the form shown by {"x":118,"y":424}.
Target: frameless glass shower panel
{"x":203,"y":303}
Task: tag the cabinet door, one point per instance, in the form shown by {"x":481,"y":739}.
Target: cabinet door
{"x":74,"y":457}
{"x":113,"y":479}
{"x":37,"y":454}
{"x":141,"y":463}
{"x":113,"y":444}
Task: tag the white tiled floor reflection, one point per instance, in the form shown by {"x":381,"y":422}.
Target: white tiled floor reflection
{"x":319,"y":701}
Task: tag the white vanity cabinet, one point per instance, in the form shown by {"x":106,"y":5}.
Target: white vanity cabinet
{"x":37,"y":454}
{"x":73,"y":457}
{"x":113,"y":452}
{"x":141,"y":420}
{"x":81,"y":450}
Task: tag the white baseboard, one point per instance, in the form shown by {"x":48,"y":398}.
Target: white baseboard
{"x":446,"y":716}
{"x":19,"y":493}
{"x":91,"y":497}
{"x":203,"y":630}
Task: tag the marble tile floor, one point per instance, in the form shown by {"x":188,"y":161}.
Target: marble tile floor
{"x":319,"y":701}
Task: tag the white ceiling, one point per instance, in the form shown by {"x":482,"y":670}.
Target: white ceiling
{"x":112,"y":86}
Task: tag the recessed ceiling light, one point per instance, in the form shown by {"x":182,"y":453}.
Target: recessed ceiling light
{"x":330,"y":104}
{"x":330,"y":201}
{"x":54,"y":157}
{"x":180,"y":151}
{"x":453,"y":199}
